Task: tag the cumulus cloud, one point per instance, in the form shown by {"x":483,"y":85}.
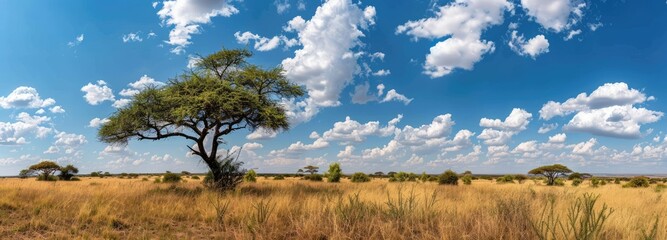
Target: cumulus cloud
{"x":558,"y":138}
{"x":143,"y":83}
{"x":263,"y":43}
{"x":97,"y":122}
{"x":362,"y":95}
{"x":186,"y":16}
{"x":607,"y":111}
{"x":68,"y":142}
{"x":325,"y":64}
{"x":97,"y":93}
{"x":499,"y":132}
{"x":545,"y":128}
{"x":555,"y":15}
{"x":25,"y":97}
{"x":533,"y":47}
{"x":463,"y":22}
{"x":26,"y":126}
{"x":57,"y":109}
{"x":392,"y":95}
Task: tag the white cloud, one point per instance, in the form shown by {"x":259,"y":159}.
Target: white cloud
{"x":26,"y":126}
{"x":187,"y":15}
{"x":263,"y":43}
{"x":545,"y":128}
{"x":554,"y":15}
{"x":76,"y":42}
{"x":571,"y":34}
{"x":325,"y":64}
{"x":595,"y":26}
{"x":154,"y":4}
{"x":261,"y":134}
{"x":57,"y":109}
{"x":281,"y":6}
{"x":533,"y":47}
{"x":607,"y":111}
{"x":25,"y":97}
{"x":69,"y":142}
{"x":40,"y":111}
{"x":121,"y":103}
{"x":361,"y":94}
{"x":392,"y":95}
{"x":351,"y":130}
{"x":498,"y":132}
{"x":97,"y":122}
{"x":132,"y":37}
{"x":377,"y":55}
{"x":558,"y":138}
{"x":585,"y":148}
{"x":463,"y":21}
{"x":97,"y":93}
{"x":382,"y":72}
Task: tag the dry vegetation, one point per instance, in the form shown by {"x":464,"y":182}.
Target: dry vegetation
{"x":113,"y":208}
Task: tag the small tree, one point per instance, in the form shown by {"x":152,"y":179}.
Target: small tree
{"x":424,"y":177}
{"x":637,"y":182}
{"x":520,"y":178}
{"x":250,"y":176}
{"x":46,"y":169}
{"x":186,"y":173}
{"x":171,"y":178}
{"x":378,"y":174}
{"x":25,"y":173}
{"x":449,"y":177}
{"x":299,"y":172}
{"x":467,"y":179}
{"x":67,"y":172}
{"x":311,"y":169}
{"x":551,"y":172}
{"x":334,"y":173}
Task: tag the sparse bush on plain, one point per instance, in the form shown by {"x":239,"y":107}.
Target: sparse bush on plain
{"x":313,"y":177}
{"x":449,"y":177}
{"x":466,"y":179}
{"x":595,"y":182}
{"x":195,"y":177}
{"x":279,"y":177}
{"x":334,"y":174}
{"x":505,"y":179}
{"x":360,"y":177}
{"x":576,"y":182}
{"x":250,"y":176}
{"x":171,"y":178}
{"x":520,"y":178}
{"x":637,"y":182}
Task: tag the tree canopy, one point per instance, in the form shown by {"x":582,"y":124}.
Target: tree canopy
{"x":311,"y":169}
{"x":67,"y":172}
{"x":551,"y":172}
{"x":222,"y":94}
{"x":45,"y":168}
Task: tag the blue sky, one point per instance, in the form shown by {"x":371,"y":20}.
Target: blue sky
{"x":492,"y":86}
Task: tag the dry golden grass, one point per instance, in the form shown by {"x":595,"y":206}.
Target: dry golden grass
{"x":114,"y":208}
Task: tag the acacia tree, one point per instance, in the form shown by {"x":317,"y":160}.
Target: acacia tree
{"x":551,"y":172}
{"x":46,"y":169}
{"x":222,"y":94}
{"x":311,"y":169}
{"x":67,"y":172}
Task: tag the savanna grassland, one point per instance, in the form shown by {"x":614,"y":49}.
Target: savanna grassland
{"x":113,"y":208}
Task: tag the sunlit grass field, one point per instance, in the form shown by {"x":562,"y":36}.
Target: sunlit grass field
{"x":113,"y":208}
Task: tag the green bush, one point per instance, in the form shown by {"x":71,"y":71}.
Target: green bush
{"x":313,"y":177}
{"x":279,"y":177}
{"x":171,"y":178}
{"x":424,"y":177}
{"x":637,"y":182}
{"x":360,"y":177}
{"x":559,"y":182}
{"x":157,"y":180}
{"x":334,"y":173}
{"x":449,"y":177}
{"x":50,"y":178}
{"x":250,"y":176}
{"x":520,"y":178}
{"x":505,"y":179}
{"x":467,"y":179}
{"x":195,"y":177}
{"x":576,"y":182}
{"x":595,"y":182}
{"x":617,"y":181}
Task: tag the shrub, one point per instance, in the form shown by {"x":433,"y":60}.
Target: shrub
{"x":49,"y":178}
{"x":144,"y":179}
{"x":94,"y":174}
{"x":68,"y":172}
{"x":250,"y":176}
{"x":334,"y":173}
{"x":313,"y":177}
{"x":171,"y":178}
{"x":157,"y":180}
{"x":559,"y":182}
{"x":576,"y":182}
{"x":433,"y":179}
{"x":617,"y":181}
{"x":449,"y":177}
{"x":467,"y":179}
{"x":279,"y":177}
{"x":195,"y":177}
{"x":637,"y":182}
{"x":520,"y":178}
{"x":424,"y":177}
{"x":360,"y":177}
{"x":595,"y":182}
{"x":505,"y":179}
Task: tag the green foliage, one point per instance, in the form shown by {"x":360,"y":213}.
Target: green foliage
{"x":520,"y":178}
{"x":467,"y":179}
{"x":250,"y":176}
{"x":334,"y":173}
{"x":313,"y":177}
{"x":185,"y":173}
{"x":617,"y":181}
{"x":653,"y":233}
{"x":171,"y":178}
{"x":424,"y":177}
{"x":223,"y":93}
{"x":311,"y":169}
{"x":360,"y":177}
{"x":195,"y":177}
{"x":595,"y":182}
{"x":583,"y":221}
{"x":637,"y":182}
{"x":449,"y":177}
{"x":576,"y":182}
{"x":67,"y":172}
{"x":559,"y":182}
{"x":25,"y":173}
{"x":403,"y":177}
{"x":551,"y":172}
{"x":94,"y":174}
{"x":46,"y":169}
{"x":279,"y":177}
{"x":505,"y":179}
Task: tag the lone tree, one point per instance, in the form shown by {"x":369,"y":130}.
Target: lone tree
{"x":334,"y":172}
{"x":221,"y":94}
{"x":46,"y":169}
{"x":67,"y":172}
{"x":311,"y":169}
{"x":551,"y":172}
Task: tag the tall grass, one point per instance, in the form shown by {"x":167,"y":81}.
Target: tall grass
{"x":113,"y":208}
